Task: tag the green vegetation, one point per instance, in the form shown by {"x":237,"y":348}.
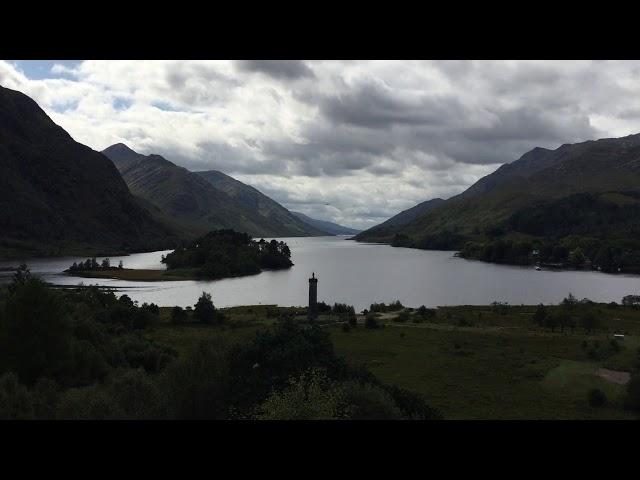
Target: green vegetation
{"x":85,"y":354}
{"x":503,"y":362}
{"x":225,"y":253}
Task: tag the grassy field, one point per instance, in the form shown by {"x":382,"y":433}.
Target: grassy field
{"x":475,"y":363}
{"x":469,"y":362}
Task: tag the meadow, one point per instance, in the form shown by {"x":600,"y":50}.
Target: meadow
{"x":470,"y":362}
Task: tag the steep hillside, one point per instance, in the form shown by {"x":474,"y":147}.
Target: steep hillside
{"x":252,"y":198}
{"x":189,"y":202}
{"x":58,"y":196}
{"x":385,"y":231}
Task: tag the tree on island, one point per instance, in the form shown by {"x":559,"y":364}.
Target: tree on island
{"x":226,"y":253}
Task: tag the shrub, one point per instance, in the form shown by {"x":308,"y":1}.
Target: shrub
{"x":597,"y":398}
{"x":179,"y":316}
{"x":136,"y":395}
{"x":370,"y":322}
{"x":402,"y":317}
{"x":15,"y":400}
{"x":367,"y":402}
{"x":615,"y":346}
{"x":353,"y":321}
{"x":35,"y":335}
{"x":197,"y":384}
{"x":633,"y":392}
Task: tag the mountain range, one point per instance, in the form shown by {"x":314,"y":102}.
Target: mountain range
{"x":59,"y":196}
{"x":583,"y":180}
{"x":198,"y":202}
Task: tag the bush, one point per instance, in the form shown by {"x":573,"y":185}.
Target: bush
{"x":597,"y":398}
{"x":402,"y":317}
{"x":15,"y":400}
{"x":353,"y":321}
{"x":633,"y":392}
{"x":179,"y":316}
{"x":370,"y":322}
{"x":615,"y":346}
{"x":426,"y":312}
{"x":35,"y":335}
{"x":346,"y":327}
{"x":197,"y":384}
{"x":136,"y":395}
{"x":365,"y":401}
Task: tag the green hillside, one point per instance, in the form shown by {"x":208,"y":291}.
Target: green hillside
{"x":189,"y":202}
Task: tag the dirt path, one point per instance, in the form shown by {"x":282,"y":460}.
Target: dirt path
{"x":614,"y":376}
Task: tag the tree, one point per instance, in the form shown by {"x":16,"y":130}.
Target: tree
{"x":540,"y":315}
{"x":570,"y":301}
{"x":22,"y":275}
{"x":106,"y":263}
{"x":205,"y":311}
{"x":631,"y":301}
{"x":576,"y":257}
{"x":120,"y":265}
{"x":35,"y":332}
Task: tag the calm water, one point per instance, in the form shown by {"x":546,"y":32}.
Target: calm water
{"x":359,"y":274}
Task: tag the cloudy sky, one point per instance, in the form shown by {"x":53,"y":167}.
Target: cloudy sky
{"x":354,"y":142}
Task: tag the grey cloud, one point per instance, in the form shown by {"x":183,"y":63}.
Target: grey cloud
{"x":374,"y":105}
{"x":278,"y":69}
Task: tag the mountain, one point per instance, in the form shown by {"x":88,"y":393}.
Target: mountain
{"x":252,"y":198}
{"x":329,"y":227}
{"x":58,"y":196}
{"x":189,"y":202}
{"x":390,"y":226}
{"x":535,"y":198}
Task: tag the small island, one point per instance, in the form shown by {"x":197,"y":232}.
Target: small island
{"x":218,"y":254}
{"x":226,"y":253}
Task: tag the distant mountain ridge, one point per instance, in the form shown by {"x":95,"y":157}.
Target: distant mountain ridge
{"x":491,"y":207}
{"x":197,"y":203}
{"x":329,"y":227}
{"x":58,"y":196}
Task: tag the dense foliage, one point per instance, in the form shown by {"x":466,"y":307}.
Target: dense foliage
{"x":83,"y":354}
{"x":73,"y":338}
{"x":579,"y":231}
{"x":226,"y":253}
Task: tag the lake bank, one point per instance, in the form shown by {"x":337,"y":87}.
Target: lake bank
{"x":358,"y":274}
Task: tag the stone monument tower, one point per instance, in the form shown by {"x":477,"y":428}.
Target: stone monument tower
{"x":312,"y":312}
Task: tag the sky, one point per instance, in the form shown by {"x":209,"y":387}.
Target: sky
{"x":353,"y":142}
